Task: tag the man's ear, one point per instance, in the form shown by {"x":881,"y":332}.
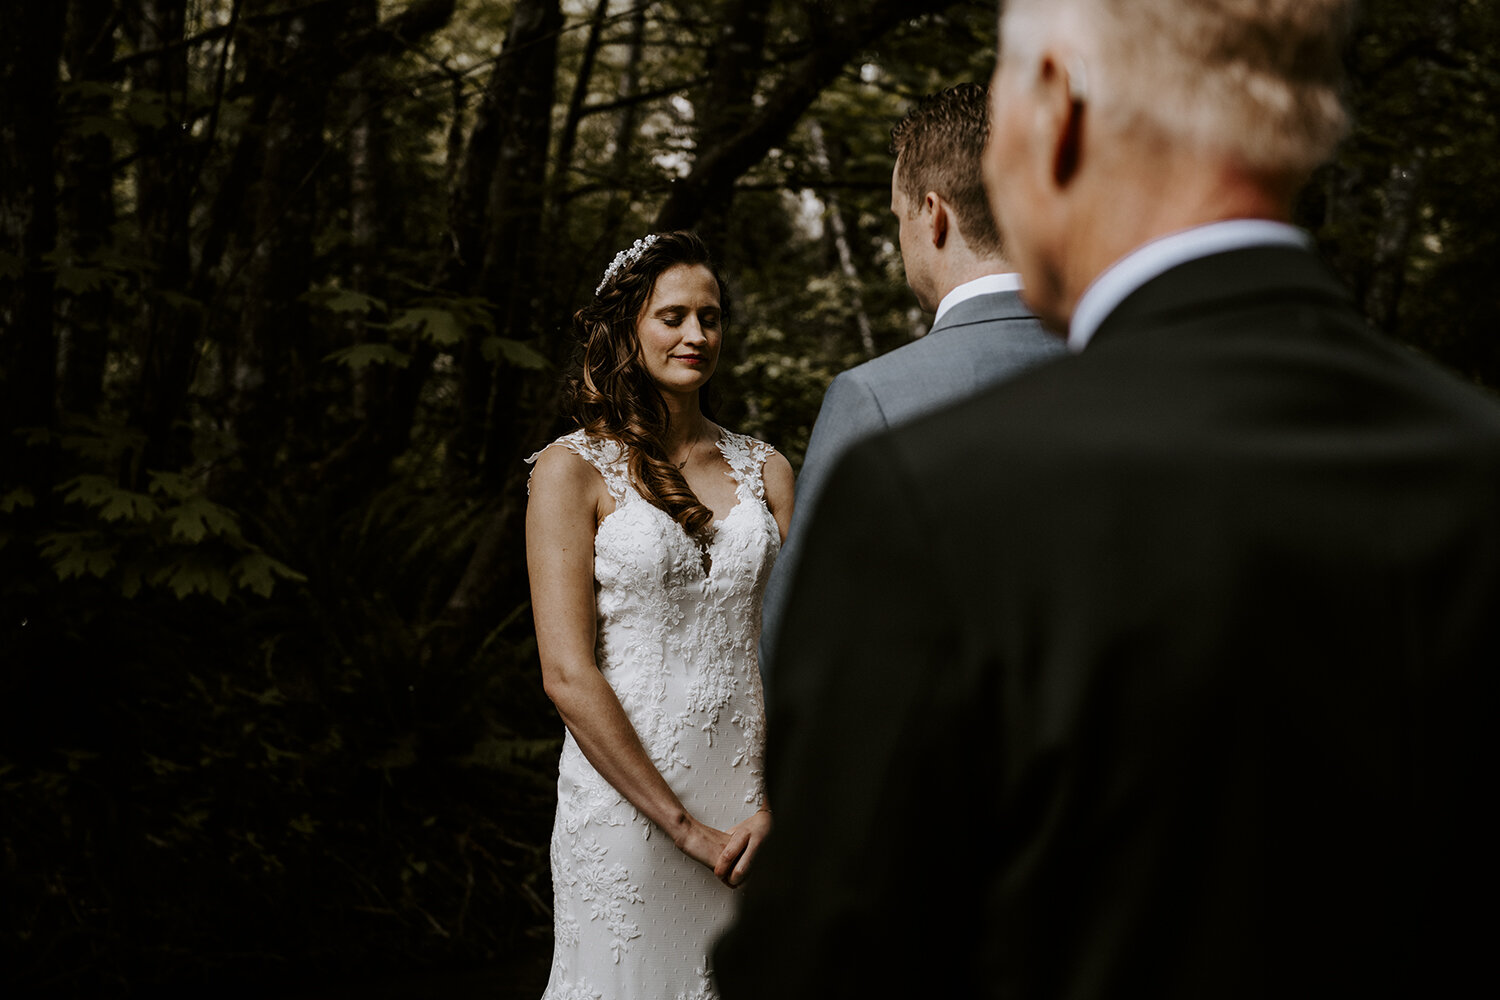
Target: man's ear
{"x":1064,"y":99}
{"x":937,"y":212}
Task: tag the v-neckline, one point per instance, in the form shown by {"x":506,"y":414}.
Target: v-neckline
{"x":738,"y":485}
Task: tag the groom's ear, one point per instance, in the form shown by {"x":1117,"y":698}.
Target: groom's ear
{"x":936,"y":211}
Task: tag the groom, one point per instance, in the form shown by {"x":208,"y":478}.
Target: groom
{"x":957,"y":266}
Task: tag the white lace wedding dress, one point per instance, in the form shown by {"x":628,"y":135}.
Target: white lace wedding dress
{"x":634,"y":916}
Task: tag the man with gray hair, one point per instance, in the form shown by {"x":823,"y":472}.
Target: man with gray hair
{"x":1188,"y":691}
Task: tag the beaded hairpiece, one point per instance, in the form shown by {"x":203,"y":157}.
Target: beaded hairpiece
{"x":625,"y":258}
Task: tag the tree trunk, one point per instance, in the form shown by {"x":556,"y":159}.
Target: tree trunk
{"x":30,"y":44}
{"x":622,"y":147}
{"x":735,"y":64}
{"x":568,"y":136}
{"x":367,"y":153}
{"x":1402,"y":187}
{"x":163,"y":186}
{"x":275,"y":346}
{"x":87,"y":209}
{"x":496,"y":215}
{"x":509,"y":145}
{"x":840,"y":234}
{"x":518,"y":255}
{"x":30,"y":48}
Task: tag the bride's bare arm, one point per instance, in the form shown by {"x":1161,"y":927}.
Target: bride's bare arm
{"x":776,"y":474}
{"x":567,"y":495}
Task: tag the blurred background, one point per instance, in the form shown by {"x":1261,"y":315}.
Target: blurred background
{"x":285,"y":289}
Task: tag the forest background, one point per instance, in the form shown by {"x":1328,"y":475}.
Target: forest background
{"x":285,"y":289}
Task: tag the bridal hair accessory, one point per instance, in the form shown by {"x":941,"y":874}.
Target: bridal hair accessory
{"x":625,"y":258}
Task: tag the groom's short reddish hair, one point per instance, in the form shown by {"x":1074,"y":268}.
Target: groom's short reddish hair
{"x":938,"y":147}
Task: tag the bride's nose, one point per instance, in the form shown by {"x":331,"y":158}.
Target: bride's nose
{"x":692,"y":331}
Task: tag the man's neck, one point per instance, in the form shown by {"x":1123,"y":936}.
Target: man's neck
{"x":956,"y":271}
{"x":1170,"y":195}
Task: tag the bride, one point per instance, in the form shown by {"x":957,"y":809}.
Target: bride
{"x":650,"y":531}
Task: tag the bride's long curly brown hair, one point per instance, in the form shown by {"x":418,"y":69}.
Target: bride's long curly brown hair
{"x":612,"y":395}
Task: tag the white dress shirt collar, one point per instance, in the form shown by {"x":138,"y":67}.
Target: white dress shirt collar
{"x":1147,"y":261}
{"x":988,"y":284}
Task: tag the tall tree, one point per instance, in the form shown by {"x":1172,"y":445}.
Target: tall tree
{"x":87,"y":205}
{"x":274,"y":342}
{"x":163,"y":180}
{"x":30,"y":46}
{"x":496,"y":219}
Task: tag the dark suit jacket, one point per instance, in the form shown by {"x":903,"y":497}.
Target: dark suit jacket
{"x":1165,"y":671}
{"x":978,"y":342}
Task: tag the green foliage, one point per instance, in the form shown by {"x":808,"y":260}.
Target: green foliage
{"x":360,"y":355}
{"x":513,"y":352}
{"x":443,"y":321}
{"x":313,"y":783}
{"x":16,"y":499}
{"x":170,"y":536}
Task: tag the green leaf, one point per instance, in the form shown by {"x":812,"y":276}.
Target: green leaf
{"x":79,"y":280}
{"x":275,"y":754}
{"x":115,"y":502}
{"x":441,"y":326}
{"x":125,"y":505}
{"x":198,"y":516}
{"x":16,"y":498}
{"x":514,"y":352}
{"x":72,"y":556}
{"x":356,"y":357}
{"x":162,"y":767}
{"x":101,"y":441}
{"x":173,"y":484}
{"x":343,"y":300}
{"x":506,"y":753}
{"x":90,"y":489}
{"x":186,"y":578}
{"x":257,"y":572}
{"x":179,"y":301}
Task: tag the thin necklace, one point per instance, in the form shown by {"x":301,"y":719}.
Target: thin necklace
{"x":691,"y":448}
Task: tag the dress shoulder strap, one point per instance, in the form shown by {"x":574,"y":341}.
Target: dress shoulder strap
{"x":604,"y":454}
{"x":746,"y":457}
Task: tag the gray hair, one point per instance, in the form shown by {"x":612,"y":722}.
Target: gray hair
{"x":1257,"y":80}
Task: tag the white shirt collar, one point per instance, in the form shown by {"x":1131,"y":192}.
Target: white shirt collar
{"x":1147,"y":261}
{"x":987,"y":284}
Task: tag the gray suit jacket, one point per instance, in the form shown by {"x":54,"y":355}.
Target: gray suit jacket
{"x":979,"y":342}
